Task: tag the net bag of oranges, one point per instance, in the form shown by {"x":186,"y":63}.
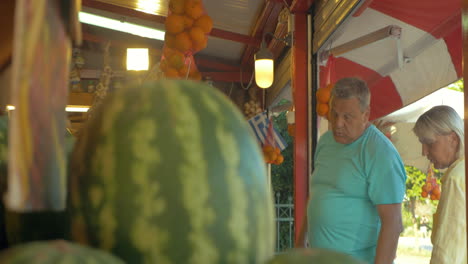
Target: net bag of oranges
{"x":271,"y":152}
{"x":187,"y":28}
{"x":431,"y":188}
{"x":323,"y":97}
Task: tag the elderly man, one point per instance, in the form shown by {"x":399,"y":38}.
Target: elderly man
{"x":358,"y":182}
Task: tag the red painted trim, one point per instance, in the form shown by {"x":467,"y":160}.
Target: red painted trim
{"x":300,"y":6}
{"x":219,"y":33}
{"x":228,"y":76}
{"x":362,"y":8}
{"x":215,"y":64}
{"x":300,"y":97}
{"x":236,"y":37}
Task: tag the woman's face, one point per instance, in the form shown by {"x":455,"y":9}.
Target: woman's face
{"x":441,"y":151}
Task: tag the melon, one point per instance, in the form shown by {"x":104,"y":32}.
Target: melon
{"x":169,"y":172}
{"x":56,"y":252}
{"x":313,"y":256}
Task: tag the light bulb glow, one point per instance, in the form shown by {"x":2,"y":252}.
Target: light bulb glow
{"x":264,"y":72}
{"x":137,"y":59}
{"x":117,"y":25}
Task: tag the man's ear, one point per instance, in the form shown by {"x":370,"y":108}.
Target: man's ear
{"x":367,"y":113}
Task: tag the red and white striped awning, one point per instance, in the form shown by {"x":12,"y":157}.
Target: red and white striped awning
{"x":429,"y":50}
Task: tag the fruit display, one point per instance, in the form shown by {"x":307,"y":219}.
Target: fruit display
{"x":252,"y":108}
{"x":313,"y":256}
{"x":431,"y":188}
{"x":323,"y":97}
{"x":169,"y":172}
{"x":272,"y":155}
{"x":187,"y":28}
{"x":56,"y":252}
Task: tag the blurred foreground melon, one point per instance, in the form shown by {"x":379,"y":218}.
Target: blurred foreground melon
{"x":168,"y":172}
{"x":56,"y":252}
{"x":313,"y":256}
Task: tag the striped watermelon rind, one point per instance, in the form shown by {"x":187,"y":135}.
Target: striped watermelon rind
{"x":56,"y":252}
{"x":168,"y":172}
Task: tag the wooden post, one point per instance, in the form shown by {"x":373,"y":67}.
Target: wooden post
{"x":465,"y":84}
{"x":300,"y":97}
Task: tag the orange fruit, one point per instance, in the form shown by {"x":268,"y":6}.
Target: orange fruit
{"x":436,"y":190}
{"x":176,"y":60}
{"x":268,"y":148}
{"x":437,"y":196}
{"x":172,"y":73}
{"x":163,"y":65}
{"x":272,"y":156}
{"x":323,"y":95}
{"x":177,"y":6}
{"x":322,"y":109}
{"x":174,"y":24}
{"x":195,"y":75}
{"x":279,"y":159}
{"x":183,"y":42}
{"x":277,"y":150}
{"x":169,"y":40}
{"x":197,"y":35}
{"x":188,"y":22}
{"x":205,"y":23}
{"x":184,"y":70}
{"x":329,"y":87}
{"x":193,"y":9}
{"x":424,"y":194}
{"x":433,"y":197}
{"x":197,"y":46}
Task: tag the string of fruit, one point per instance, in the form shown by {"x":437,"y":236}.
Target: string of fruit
{"x":431,"y":188}
{"x":323,"y":97}
{"x":252,"y":108}
{"x":187,"y":28}
{"x":272,"y":155}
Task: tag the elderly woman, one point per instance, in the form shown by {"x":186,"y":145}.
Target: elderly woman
{"x":440,"y":131}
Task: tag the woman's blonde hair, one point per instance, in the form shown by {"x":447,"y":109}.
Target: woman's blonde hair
{"x":440,"y":120}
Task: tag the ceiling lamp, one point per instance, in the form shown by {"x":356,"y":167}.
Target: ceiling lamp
{"x":264,"y":67}
{"x":137,"y":60}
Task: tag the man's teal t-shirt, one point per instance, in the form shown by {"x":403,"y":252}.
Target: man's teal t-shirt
{"x":348,"y":182}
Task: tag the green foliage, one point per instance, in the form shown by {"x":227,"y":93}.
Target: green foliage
{"x":282,"y":175}
{"x":414,"y":182}
{"x":457,"y":86}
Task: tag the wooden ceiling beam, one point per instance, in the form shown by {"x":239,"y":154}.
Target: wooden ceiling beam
{"x":216,"y":32}
{"x":266,"y":23}
{"x":228,"y":76}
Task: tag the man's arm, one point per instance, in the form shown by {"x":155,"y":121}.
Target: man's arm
{"x":301,"y":240}
{"x":390,"y":216}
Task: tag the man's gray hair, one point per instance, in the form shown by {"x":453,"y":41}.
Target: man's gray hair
{"x":347,"y":88}
{"x":440,"y":120}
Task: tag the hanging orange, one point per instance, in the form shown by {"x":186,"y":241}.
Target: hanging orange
{"x":183,"y":42}
{"x":322,"y":109}
{"x":169,"y":40}
{"x":185,"y":69}
{"x":197,"y":35}
{"x":193,"y":9}
{"x":172,"y":73}
{"x":177,"y":6}
{"x":176,"y":60}
{"x":323,"y":95}
{"x":197,"y":46}
{"x":195,"y":75}
{"x":188,"y":22}
{"x":163,"y":65}
{"x":204,"y":22}
{"x":174,"y":24}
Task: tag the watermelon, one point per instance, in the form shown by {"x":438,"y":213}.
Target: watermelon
{"x":57,"y":252}
{"x":313,"y":256}
{"x":169,"y":172}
